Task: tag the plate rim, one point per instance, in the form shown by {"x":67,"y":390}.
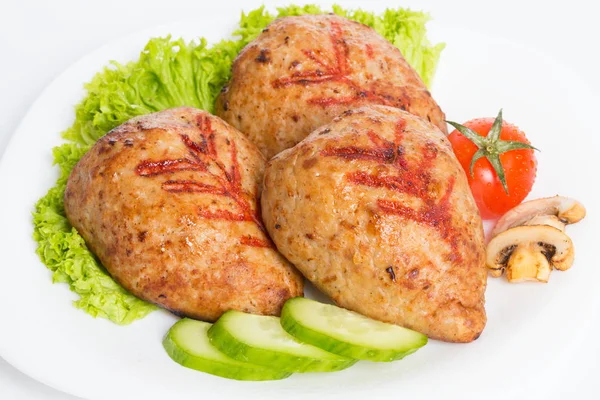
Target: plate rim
{"x":149,"y":32}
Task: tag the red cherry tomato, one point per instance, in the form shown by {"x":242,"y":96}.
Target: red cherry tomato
{"x":519,"y":166}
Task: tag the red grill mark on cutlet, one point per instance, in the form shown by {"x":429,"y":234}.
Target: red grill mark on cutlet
{"x":203,"y":158}
{"x":435,"y":215}
{"x":151,"y":168}
{"x":336,"y":70}
{"x":357,"y":153}
{"x":412,"y":179}
{"x":347,"y":100}
{"x":370,"y":95}
{"x":224,"y":215}
{"x":255,"y":242}
{"x":340,"y":47}
{"x":385,"y":151}
{"x":369,"y":49}
{"x":175,"y":186}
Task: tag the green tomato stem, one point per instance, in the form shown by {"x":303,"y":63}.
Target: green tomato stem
{"x":490,"y":147}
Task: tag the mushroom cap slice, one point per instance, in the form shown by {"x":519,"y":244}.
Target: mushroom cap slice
{"x":556,"y":245}
{"x":567,"y":210}
{"x":551,"y":220}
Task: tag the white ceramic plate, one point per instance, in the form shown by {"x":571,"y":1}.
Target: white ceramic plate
{"x":535,"y":332}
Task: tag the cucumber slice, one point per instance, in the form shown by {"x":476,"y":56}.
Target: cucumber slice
{"x":187,"y":344}
{"x":347,"y":333}
{"x":260,"y":339}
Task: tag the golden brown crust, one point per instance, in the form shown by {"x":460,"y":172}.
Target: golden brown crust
{"x":376,"y":211}
{"x":168,"y":203}
{"x":303,"y":71}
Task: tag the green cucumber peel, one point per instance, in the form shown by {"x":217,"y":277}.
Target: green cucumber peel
{"x":188,"y":345}
{"x":363,"y":346}
{"x":279,"y":350}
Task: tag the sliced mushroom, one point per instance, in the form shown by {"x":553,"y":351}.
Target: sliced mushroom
{"x":550,"y":220}
{"x":554,"y":211}
{"x":529,"y":252}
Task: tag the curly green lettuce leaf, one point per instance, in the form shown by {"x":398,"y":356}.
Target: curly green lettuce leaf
{"x":170,"y":73}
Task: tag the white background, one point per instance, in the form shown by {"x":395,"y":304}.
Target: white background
{"x":39,"y":39}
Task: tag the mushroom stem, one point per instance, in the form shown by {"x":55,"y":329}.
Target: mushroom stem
{"x":528,"y":263}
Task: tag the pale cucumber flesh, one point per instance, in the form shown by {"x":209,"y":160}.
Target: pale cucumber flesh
{"x":261,"y":340}
{"x":347,"y":333}
{"x":187,"y":343}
